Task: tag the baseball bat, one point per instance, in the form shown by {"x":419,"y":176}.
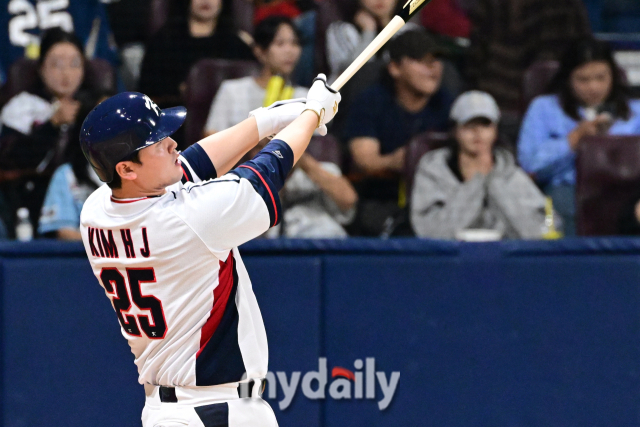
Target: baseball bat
{"x":408,"y":11}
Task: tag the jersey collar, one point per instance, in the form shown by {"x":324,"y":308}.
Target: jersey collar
{"x":125,"y":201}
{"x":126,"y":207}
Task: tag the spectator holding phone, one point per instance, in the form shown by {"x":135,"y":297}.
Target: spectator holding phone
{"x":589,"y":97}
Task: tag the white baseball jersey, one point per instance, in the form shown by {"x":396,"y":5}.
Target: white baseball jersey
{"x":171,"y":268}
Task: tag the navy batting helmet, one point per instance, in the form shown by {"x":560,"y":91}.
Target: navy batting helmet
{"x":122,"y":125}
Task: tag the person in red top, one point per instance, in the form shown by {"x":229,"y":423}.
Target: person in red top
{"x":446,"y":17}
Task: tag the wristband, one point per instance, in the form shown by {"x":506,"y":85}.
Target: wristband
{"x":264,"y":120}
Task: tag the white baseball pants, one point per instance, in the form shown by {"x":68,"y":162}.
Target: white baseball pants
{"x":217,"y":406}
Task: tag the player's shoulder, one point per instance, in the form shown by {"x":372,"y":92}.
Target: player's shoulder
{"x":221,"y":187}
{"x":93,"y":203}
{"x":213,"y":195}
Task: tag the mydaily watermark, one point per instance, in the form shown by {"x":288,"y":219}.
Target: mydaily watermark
{"x":341,"y":384}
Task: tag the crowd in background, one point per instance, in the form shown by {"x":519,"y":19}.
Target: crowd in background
{"x":469,"y":124}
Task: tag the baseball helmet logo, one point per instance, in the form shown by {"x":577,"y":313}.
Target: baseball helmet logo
{"x":151,"y":105}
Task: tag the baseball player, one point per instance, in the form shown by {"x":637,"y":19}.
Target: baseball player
{"x":162,"y":240}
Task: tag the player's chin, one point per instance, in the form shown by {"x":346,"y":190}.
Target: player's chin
{"x":176,"y":170}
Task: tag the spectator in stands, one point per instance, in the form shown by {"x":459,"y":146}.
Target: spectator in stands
{"x":290,"y":8}
{"x":23,"y":22}
{"x":68,"y":189}
{"x":347,"y":39}
{"x":408,"y":101}
{"x":589,"y":98}
{"x":199,"y":29}
{"x":277,"y":47}
{"x":507,"y":36}
{"x":38,"y":125}
{"x":446,"y":17}
{"x":475,"y":184}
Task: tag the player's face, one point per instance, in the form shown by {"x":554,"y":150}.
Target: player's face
{"x":284,"y":52}
{"x":476,"y":136}
{"x":159,"y":166}
{"x":591,"y":82}
{"x":205,"y":10}
{"x":62,"y":70}
{"x":420,"y":76}
{"x":382,"y":9}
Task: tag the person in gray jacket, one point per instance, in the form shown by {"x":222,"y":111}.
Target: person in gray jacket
{"x":474,"y":184}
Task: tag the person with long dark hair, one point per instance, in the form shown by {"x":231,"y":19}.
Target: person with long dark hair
{"x":277,"y":47}
{"x":588,"y":97}
{"x":198,"y":29}
{"x":347,"y":39}
{"x":38,"y":124}
{"x":70,"y":185}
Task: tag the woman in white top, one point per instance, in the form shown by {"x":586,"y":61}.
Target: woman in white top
{"x":277,"y":47}
{"x":347,"y":39}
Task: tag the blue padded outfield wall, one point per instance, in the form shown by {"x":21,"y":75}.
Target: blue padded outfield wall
{"x":361,"y":333}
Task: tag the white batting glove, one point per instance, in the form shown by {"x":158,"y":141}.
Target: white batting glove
{"x":323,"y":100}
{"x":277,"y":116}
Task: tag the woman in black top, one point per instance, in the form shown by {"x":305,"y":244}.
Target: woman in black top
{"x":199,"y":29}
{"x":40,"y":123}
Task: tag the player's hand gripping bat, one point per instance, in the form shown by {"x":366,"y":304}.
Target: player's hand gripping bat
{"x":408,"y":11}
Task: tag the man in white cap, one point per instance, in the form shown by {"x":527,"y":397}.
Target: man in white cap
{"x":474,"y":184}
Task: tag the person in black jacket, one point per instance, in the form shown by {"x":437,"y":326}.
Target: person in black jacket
{"x":200,"y":29}
{"x":38,"y":124}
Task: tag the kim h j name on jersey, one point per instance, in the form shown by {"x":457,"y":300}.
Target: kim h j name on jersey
{"x":103,"y":244}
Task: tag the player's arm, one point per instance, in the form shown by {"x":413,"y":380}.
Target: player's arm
{"x":323,"y":101}
{"x":227,"y":147}
{"x":237,"y":208}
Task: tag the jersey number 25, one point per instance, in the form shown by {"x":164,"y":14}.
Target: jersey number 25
{"x":154,"y":328}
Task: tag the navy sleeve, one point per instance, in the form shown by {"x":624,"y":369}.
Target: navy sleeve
{"x":267,"y":173}
{"x":199,"y":162}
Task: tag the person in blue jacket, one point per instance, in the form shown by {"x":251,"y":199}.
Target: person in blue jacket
{"x":589,"y":97}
